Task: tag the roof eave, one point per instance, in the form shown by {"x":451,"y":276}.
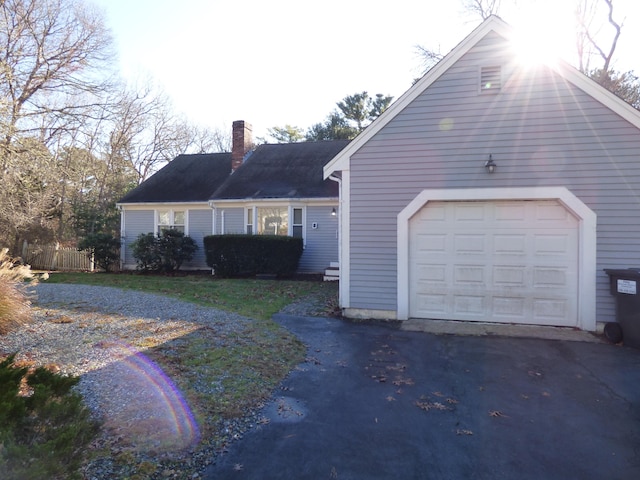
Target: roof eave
{"x":341,"y":161}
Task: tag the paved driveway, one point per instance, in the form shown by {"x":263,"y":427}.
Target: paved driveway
{"x":373,"y":402}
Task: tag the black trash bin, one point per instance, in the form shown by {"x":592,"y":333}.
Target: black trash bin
{"x":624,"y":284}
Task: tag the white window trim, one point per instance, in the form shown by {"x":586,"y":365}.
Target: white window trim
{"x":156,"y":214}
{"x":290,"y":207}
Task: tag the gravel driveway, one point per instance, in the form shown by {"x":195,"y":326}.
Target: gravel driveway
{"x":100,"y":334}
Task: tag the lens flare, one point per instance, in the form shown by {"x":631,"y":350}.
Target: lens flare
{"x":151,"y":413}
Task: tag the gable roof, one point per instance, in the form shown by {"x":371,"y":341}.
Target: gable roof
{"x":500,"y":27}
{"x":284,"y":170}
{"x":187,"y":178}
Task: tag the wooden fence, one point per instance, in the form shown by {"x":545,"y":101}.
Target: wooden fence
{"x":54,"y":257}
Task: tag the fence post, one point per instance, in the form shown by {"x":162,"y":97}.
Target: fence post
{"x":54,"y":258}
{"x":25,"y":249}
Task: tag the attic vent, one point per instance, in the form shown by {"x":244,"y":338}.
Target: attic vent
{"x":490,"y":79}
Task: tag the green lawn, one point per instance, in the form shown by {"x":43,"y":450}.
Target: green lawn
{"x":258,"y":299}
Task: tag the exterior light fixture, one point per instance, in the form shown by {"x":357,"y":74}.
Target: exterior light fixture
{"x":333,"y":212}
{"x":490,"y":165}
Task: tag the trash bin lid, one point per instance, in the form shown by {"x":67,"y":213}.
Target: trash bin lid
{"x":633,"y":273}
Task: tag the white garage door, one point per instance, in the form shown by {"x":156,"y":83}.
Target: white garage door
{"x":502,"y":261}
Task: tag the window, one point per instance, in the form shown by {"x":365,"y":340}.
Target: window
{"x":171,"y":219}
{"x":296,"y":227}
{"x":250,"y":221}
{"x":272,"y":220}
{"x":490,"y":79}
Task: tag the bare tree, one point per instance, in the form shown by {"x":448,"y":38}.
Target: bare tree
{"x":50,"y":52}
{"x":50,"y":55}
{"x":483,"y":8}
{"x":589,"y":35}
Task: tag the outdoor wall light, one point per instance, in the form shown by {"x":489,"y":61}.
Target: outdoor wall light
{"x":333,"y":212}
{"x":490,"y":165}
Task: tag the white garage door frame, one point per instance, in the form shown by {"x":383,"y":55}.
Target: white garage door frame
{"x":586,"y":238}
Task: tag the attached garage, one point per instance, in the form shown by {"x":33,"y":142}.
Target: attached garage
{"x":522,"y":256}
{"x":494,"y":261}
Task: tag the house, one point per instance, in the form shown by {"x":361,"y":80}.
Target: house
{"x":272,"y":189}
{"x":491,"y":191}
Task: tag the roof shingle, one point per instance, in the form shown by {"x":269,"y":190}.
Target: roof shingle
{"x":187,"y":178}
{"x":289,"y":170}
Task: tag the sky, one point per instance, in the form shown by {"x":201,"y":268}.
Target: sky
{"x":278,"y":62}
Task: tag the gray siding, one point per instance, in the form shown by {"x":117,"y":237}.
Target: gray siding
{"x":136,"y":222}
{"x":200,"y":225}
{"x":540,"y":130}
{"x":321,"y":244}
{"x":233,"y":220}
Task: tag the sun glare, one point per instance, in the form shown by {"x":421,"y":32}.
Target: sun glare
{"x":532,"y":50}
{"x":542,"y":35}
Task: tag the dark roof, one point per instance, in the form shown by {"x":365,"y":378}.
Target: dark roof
{"x":286,"y":170}
{"x":187,"y":178}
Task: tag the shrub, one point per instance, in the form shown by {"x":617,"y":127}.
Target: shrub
{"x":104,"y":247}
{"x":14,"y":304}
{"x":239,"y":255}
{"x":175,"y":248}
{"x":165,"y":252}
{"x":44,"y":428}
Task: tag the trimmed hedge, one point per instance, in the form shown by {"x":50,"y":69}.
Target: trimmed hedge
{"x":244,"y":255}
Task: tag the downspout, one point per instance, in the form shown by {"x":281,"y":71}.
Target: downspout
{"x":122,"y":236}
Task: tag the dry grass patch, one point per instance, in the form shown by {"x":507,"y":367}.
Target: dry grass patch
{"x":14,"y":303}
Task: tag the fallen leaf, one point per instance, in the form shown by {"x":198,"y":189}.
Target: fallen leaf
{"x":496,"y":413}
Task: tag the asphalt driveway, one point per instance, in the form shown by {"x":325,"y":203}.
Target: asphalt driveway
{"x":372,"y":402}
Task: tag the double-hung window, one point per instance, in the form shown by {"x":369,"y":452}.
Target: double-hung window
{"x":275,"y":220}
{"x":171,"y":219}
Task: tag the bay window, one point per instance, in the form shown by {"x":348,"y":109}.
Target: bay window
{"x":275,"y":220}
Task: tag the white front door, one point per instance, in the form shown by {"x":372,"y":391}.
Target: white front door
{"x":494,"y":261}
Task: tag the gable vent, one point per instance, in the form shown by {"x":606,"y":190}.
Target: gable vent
{"x":490,"y":79}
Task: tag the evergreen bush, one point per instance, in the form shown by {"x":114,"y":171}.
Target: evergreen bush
{"x":243,"y":255}
{"x":44,"y":426}
{"x":104,"y":247}
{"x":165,"y":252}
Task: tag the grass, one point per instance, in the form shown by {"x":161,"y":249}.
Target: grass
{"x":14,"y":306}
{"x":244,"y":369}
{"x":258,"y":299}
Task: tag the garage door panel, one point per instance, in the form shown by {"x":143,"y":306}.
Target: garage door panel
{"x":551,"y":277}
{"x":431,"y":305}
{"x":509,"y":213}
{"x":431,"y":273}
{"x":509,"y":308}
{"x":469,"y":243}
{"x":494,"y":261}
{"x":511,"y":244}
{"x":549,"y":312}
{"x":509,"y":275}
{"x":464,"y":305}
{"x":431,"y":243}
{"x":465,"y":275}
{"x":468,"y":213}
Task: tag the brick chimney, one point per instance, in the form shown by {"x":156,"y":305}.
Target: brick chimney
{"x":241,"y":142}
